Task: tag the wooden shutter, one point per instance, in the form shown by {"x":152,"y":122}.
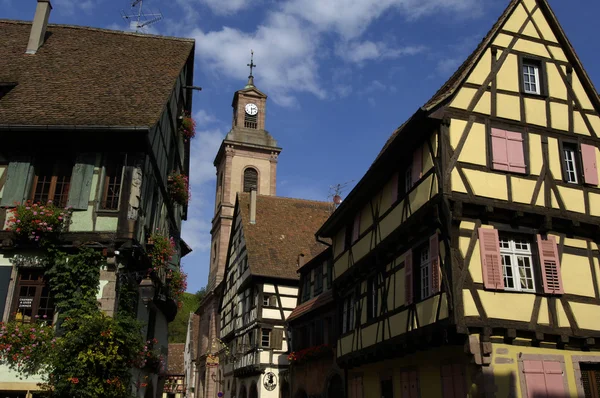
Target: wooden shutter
{"x":491,"y":263}
{"x":277,"y":339}
{"x":395,"y":187}
{"x":417,"y":166}
{"x":81,"y":181}
{"x":273,"y":301}
{"x":358,"y":387}
{"x":447,"y":382}
{"x":544,"y":379}
{"x":499,"y":150}
{"x":515,"y":152}
{"x":459,"y":380}
{"x":434,"y":255}
{"x":19,"y":177}
{"x":405,"y":384}
{"x":408,"y":278}
{"x":4,"y":283}
{"x":550,"y":263}
{"x":414,"y":384}
{"x":356,"y":228}
{"x":590,"y":168}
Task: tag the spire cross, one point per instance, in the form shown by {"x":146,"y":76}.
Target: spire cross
{"x":251,"y":64}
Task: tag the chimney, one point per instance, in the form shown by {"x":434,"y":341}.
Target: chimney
{"x":253,"y":206}
{"x":39,"y":25}
{"x":301,"y":260}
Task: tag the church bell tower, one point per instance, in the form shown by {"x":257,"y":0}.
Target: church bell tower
{"x":246,"y":160}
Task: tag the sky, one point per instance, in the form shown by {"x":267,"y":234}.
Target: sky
{"x":341,"y":75}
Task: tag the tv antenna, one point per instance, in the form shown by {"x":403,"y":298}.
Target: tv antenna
{"x":137,"y":19}
{"x":335,"y":193}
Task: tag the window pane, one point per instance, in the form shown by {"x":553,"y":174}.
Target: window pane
{"x":507,"y":269}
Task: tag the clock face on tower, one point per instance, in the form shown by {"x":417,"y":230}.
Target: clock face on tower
{"x":251,"y":109}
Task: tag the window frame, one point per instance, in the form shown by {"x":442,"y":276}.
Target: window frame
{"x":262,"y":338}
{"x":542,"y":74}
{"x":105,"y":184}
{"x":372,"y":297}
{"x":514,"y":253}
{"x":318,"y":280}
{"x":265,"y":298}
{"x":348,"y":313}
{"x":578,"y":162}
{"x":39,"y":285}
{"x":40,"y":166}
{"x":247,"y":169}
{"x":425,"y":271}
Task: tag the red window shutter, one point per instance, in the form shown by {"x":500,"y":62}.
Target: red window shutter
{"x":534,"y":378}
{"x":417,"y":165}
{"x":515,"y":152}
{"x":553,"y":375}
{"x":356,"y":228}
{"x":434,"y":255}
{"x":408,"y":278}
{"x":499,"y":150}
{"x":447,"y":384}
{"x":551,"y":275}
{"x":395,"y":187}
{"x":590,"y":168}
{"x":414,"y":385}
{"x":491,"y":263}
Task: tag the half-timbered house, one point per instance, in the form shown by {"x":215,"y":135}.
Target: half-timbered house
{"x":260,"y":288}
{"x":313,"y":368}
{"x":466,"y":259}
{"x":82,"y":127}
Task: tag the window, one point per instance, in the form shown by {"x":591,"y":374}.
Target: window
{"x":113,"y":180}
{"x":408,"y":179}
{"x":306,"y":287}
{"x":543,"y":378}
{"x":266,"y":301}
{"x":576,"y":168}
{"x":348,"y":314}
{"x":265,"y":340}
{"x":424,"y":272}
{"x":355,"y":387}
{"x":517,"y":264}
{"x":387,"y":387}
{"x":372,"y":298}
{"x":531,"y":78}
{"x":453,"y":381}
{"x":570,"y":162}
{"x":508,"y":152}
{"x":52,"y":181}
{"x":32,"y":297}
{"x":356,"y":228}
{"x":409,"y":381}
{"x":250,"y":180}
{"x":250,"y":121}
{"x":318,"y":279}
{"x":590,"y":378}
{"x":329,"y":273}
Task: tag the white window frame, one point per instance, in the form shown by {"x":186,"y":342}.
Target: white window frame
{"x":425,"y":272}
{"x":408,"y":182}
{"x":515,"y":249}
{"x":529,"y":67}
{"x":374,"y":297}
{"x":262,"y":338}
{"x":570,"y":163}
{"x":266,"y":300}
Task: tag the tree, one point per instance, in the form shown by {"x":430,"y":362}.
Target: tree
{"x":190,"y":303}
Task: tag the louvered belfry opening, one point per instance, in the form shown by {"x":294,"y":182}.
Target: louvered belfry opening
{"x":250,"y":180}
{"x":251,"y":121}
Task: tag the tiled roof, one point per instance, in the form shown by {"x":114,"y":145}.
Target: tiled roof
{"x":176,"y":365}
{"x":313,"y":303}
{"x":284,"y":228}
{"x":87,"y":76}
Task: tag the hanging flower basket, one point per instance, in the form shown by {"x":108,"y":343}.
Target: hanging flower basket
{"x":35,"y":221}
{"x":188,"y":127}
{"x":177,"y":284}
{"x":161,"y":251}
{"x":179,"y":188}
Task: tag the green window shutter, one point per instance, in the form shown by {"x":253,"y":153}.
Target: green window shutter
{"x":18,"y":182}
{"x":81,"y":181}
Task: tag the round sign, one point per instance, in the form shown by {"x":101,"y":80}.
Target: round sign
{"x":219,"y":394}
{"x":270,"y":381}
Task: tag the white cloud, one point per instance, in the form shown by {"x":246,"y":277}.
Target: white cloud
{"x":70,"y":6}
{"x":361,"y":51}
{"x":196,"y":233}
{"x":204,"y":118}
{"x":204,"y":149}
{"x":350,"y":18}
{"x":219,"y":7}
{"x":286,"y":48}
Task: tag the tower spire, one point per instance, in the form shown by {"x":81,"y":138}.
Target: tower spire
{"x":251,"y":65}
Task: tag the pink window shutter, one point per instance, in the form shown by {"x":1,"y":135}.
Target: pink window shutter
{"x":359,"y":387}
{"x":554,"y":378}
{"x":499,"y":150}
{"x":459,"y":380}
{"x":356,"y":228}
{"x":417,"y":166}
{"x":447,"y":382}
{"x":408,"y":278}
{"x":434,"y":255}
{"x":515,"y":152}
{"x":405,"y":383}
{"x":534,"y":379}
{"x":491,"y":263}
{"x":414,"y":385}
{"x":550,"y":261}
{"x":395,"y":187}
{"x":590,"y":168}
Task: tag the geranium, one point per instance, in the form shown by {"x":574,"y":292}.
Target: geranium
{"x":162,"y":251}
{"x":178,"y":285}
{"x":179,"y":188}
{"x":310,"y":353}
{"x":24,"y":346}
{"x":34,"y":221}
{"x":188,"y":126}
{"x":150,"y":358}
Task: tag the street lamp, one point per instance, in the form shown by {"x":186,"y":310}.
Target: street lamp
{"x":147,"y":290}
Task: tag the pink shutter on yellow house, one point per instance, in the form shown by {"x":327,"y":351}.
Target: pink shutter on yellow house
{"x":544,"y":379}
{"x":550,"y":262}
{"x":414,"y":385}
{"x":515,"y":152}
{"x":499,"y":150}
{"x":408,"y":278}
{"x":395,"y":187}
{"x":434,"y":255}
{"x":491,"y":263}
{"x":417,"y":166}
{"x":590,"y":168}
{"x":356,"y":228}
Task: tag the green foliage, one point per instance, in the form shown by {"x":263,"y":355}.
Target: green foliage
{"x":178,"y":328}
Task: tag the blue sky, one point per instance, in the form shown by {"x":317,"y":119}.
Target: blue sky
{"x":341,"y":75}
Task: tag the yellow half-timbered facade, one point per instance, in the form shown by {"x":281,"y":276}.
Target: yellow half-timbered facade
{"x":466,"y":260}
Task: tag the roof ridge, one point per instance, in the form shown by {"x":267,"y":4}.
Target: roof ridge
{"x":104,"y":30}
{"x":287,"y":198}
